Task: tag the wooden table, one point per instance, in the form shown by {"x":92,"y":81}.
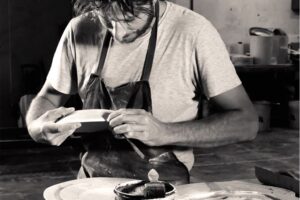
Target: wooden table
{"x":27,"y":169}
{"x":102,"y":188}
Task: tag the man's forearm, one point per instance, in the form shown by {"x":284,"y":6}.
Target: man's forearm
{"x":216,"y":130}
{"x":38,"y":106}
{"x":41,"y":121}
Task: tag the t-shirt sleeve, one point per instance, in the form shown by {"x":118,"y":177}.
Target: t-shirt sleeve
{"x":62,"y":74}
{"x":216,"y":70}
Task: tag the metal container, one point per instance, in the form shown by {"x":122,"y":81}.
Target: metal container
{"x":129,"y":191}
{"x":294,"y":114}
{"x":280,"y":49}
{"x":269,"y":50}
{"x":261,"y":48}
{"x":263,"y":109}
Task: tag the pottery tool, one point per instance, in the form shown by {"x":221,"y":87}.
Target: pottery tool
{"x":282,"y":179}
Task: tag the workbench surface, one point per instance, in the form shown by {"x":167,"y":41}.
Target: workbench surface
{"x":26,"y":171}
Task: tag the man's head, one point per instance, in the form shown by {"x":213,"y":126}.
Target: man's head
{"x":125,"y":19}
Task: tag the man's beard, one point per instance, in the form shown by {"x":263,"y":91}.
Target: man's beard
{"x":131,"y":37}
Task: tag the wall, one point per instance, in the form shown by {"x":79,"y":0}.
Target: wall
{"x":36,"y":26}
{"x":5,"y":89}
{"x":29,"y":31}
{"x":233,"y":18}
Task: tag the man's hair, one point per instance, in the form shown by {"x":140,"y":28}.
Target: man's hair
{"x":126,"y":6}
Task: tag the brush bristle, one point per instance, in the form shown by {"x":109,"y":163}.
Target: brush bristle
{"x":154,"y":190}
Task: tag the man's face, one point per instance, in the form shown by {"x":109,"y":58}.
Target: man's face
{"x":126,"y":28}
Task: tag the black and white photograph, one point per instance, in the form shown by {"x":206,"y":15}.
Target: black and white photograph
{"x":149,"y":99}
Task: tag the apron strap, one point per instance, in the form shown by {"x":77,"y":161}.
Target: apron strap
{"x":104,"y":50}
{"x":151,"y":47}
{"x":150,"y":52}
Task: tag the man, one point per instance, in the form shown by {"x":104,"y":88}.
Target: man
{"x":151,"y":62}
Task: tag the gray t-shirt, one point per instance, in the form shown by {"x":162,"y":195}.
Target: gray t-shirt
{"x":190,"y":59}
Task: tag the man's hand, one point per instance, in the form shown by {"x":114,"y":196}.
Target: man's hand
{"x":138,"y":124}
{"x":45,"y":130}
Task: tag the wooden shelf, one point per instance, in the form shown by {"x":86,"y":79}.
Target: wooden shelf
{"x":266,"y":68}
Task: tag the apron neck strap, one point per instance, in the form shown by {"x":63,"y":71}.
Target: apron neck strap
{"x":151,"y":46}
{"x":104,"y":50}
{"x":150,"y":52}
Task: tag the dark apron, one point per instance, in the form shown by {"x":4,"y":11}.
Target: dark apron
{"x":117,"y":158}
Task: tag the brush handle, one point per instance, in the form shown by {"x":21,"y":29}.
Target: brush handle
{"x":135,"y":148}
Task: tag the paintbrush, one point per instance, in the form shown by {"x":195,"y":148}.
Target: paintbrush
{"x":135,"y":148}
{"x":154,"y":188}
